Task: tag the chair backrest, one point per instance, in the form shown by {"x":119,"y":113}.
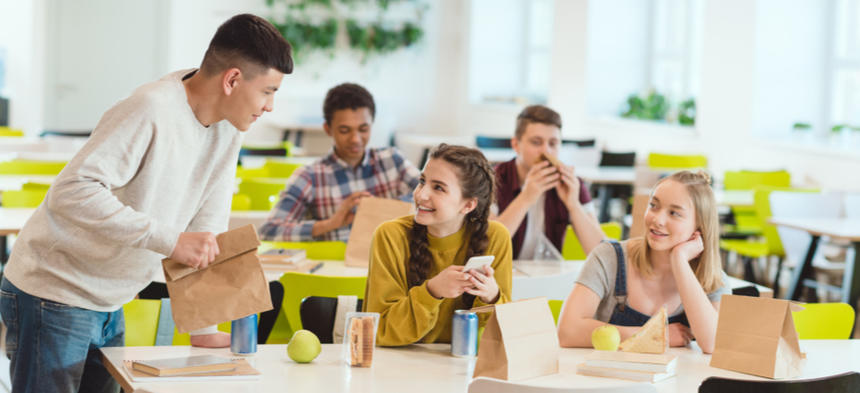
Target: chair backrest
{"x":793,"y":243}
{"x":580,"y":142}
{"x":322,"y":250}
{"x":492,"y":142}
{"x":298,"y":286}
{"x":67,"y":133}
{"x":281,"y":169}
{"x":839,"y":383}
{"x":263,"y":192}
{"x":141,"y":322}
{"x":749,"y":290}
{"x":240,"y":202}
{"x":677,"y":161}
{"x":626,"y":159}
{"x":492,"y":385}
{"x":30,"y":197}
{"x":31,"y":167}
{"x":747,"y":180}
{"x":571,"y":249}
{"x":824,"y":321}
{"x":10,"y":132}
{"x":318,"y":316}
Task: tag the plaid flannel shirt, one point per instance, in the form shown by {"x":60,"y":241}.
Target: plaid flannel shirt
{"x":315,"y":191}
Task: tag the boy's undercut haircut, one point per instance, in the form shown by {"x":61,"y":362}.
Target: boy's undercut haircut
{"x":249,"y":43}
{"x":347,"y":96}
{"x":536,"y":114}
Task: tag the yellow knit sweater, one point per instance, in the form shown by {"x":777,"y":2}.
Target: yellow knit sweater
{"x":410,"y":315}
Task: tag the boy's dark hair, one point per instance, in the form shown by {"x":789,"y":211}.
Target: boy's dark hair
{"x":347,"y":96}
{"x":249,"y":43}
{"x":536,"y":114}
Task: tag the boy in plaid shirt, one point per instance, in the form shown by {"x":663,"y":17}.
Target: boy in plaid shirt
{"x":318,"y":200}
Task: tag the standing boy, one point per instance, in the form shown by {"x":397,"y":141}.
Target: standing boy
{"x":155,"y":179}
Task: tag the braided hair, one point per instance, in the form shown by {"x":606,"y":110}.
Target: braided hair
{"x":476,"y":181}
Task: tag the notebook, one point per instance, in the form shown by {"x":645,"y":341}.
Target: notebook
{"x":232,"y":369}
{"x":633,"y":375}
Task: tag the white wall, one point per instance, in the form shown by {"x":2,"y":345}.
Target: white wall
{"x":22,"y":36}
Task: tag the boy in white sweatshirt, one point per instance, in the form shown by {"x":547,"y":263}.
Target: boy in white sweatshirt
{"x":155,"y":179}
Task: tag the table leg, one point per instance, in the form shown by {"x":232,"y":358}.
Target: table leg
{"x":4,"y":253}
{"x":803,"y":271}
{"x":851,"y":279}
{"x":603,"y":196}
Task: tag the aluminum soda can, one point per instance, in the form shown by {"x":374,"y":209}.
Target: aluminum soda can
{"x":464,"y":334}
{"x":243,"y":335}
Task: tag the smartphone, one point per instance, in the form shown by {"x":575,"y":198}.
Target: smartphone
{"x":478,"y":262}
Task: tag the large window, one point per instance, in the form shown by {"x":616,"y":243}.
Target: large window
{"x":509,"y":51}
{"x":846,"y":65}
{"x":643,"y":59}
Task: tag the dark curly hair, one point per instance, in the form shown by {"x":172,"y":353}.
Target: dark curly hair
{"x":477,"y":181}
{"x":347,"y":96}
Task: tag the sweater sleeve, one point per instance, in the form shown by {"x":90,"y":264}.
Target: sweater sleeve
{"x":82,"y":193}
{"x":500,"y":247}
{"x":406,"y":314}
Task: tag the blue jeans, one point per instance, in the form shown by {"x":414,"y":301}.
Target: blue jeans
{"x":54,"y":347}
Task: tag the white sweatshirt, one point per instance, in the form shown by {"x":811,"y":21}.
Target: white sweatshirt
{"x":149,"y":171}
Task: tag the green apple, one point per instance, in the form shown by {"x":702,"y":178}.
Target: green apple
{"x":304,"y":346}
{"x":606,"y":338}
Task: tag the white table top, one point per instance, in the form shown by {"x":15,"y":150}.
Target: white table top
{"x":431,"y":368}
{"x":607,"y":175}
{"x":13,"y":219}
{"x":843,"y":228}
{"x":15,"y":182}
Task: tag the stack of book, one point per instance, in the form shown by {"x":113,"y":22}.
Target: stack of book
{"x":644,"y":367}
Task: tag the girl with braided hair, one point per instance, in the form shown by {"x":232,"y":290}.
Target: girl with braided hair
{"x":416,"y":279}
{"x":676,"y":265}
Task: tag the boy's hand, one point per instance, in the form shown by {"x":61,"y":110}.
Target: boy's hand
{"x":195,"y":249}
{"x":541,"y":177}
{"x":344,"y":215}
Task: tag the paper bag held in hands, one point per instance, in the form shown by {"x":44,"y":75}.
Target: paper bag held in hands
{"x":756,"y":336}
{"x":519,"y":341}
{"x":653,"y":337}
{"x":371,"y":212}
{"x":231,"y":287}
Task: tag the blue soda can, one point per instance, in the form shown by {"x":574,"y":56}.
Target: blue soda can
{"x":243,"y":335}
{"x":464,"y":334}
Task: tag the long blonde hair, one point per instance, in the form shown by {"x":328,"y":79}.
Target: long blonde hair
{"x":708,"y":266}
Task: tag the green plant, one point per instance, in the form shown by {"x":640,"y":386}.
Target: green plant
{"x":687,"y":112}
{"x":799,"y":126}
{"x":291,"y":16}
{"x":651,"y":107}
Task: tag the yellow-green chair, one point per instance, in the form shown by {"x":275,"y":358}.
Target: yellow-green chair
{"x":824,"y":321}
{"x":250,"y":173}
{"x":11,"y":132}
{"x":35,"y":186}
{"x":23,"y":197}
{"x":555,"y":307}
{"x":31,"y":167}
{"x":571,"y":249}
{"x":322,"y":250}
{"x":746,"y":222}
{"x":280,"y":169}
{"x":240,"y":202}
{"x":263,"y":192}
{"x":751,"y":250}
{"x":298,"y":286}
{"x":676,"y":161}
{"x":141,"y":322}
